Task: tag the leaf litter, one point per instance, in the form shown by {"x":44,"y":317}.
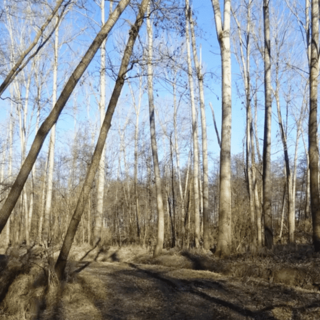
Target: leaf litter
{"x":128,"y":283}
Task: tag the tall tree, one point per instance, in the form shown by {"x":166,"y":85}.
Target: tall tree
{"x":223,"y":35}
{"x":85,"y":191}
{"x":267,"y":188}
{"x":102,"y":105}
{"x":313,"y":125}
{"x":55,"y":113}
{"x":194,"y":134}
{"x":154,"y":147}
{"x":244,"y":61}
{"x":48,"y":207}
{"x":205,"y":170}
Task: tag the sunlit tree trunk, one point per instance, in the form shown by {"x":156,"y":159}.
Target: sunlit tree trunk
{"x":223,"y":35}
{"x":160,"y":235}
{"x":48,"y":207}
{"x":21,"y":63}
{"x":194,"y":135}
{"x":101,"y":171}
{"x":205,"y":170}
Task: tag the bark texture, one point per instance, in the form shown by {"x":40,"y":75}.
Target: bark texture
{"x":267,"y":193}
{"x":194,"y":135}
{"x":160,"y":237}
{"x":223,"y":35}
{"x":313,"y":125}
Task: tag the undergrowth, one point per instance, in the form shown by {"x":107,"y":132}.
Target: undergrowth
{"x":30,"y":290}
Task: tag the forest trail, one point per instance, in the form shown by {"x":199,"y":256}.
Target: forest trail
{"x":136,"y":291}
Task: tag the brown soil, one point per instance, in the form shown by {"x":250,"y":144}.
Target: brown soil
{"x":127,"y":283}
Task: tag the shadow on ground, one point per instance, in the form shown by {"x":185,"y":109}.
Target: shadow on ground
{"x":145,"y":292}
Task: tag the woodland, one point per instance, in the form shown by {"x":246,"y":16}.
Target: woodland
{"x":161,"y":149}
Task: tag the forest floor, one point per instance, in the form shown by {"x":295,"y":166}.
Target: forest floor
{"x":127,"y":283}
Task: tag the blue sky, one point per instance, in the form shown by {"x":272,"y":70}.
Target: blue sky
{"x":78,"y":104}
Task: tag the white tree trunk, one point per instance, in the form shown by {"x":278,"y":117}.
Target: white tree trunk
{"x":160,"y":236}
{"x":102,"y":105}
{"x":49,"y":187}
{"x":223,"y":35}
{"x":194,"y":134}
{"x":182,"y":198}
{"x":205,"y":170}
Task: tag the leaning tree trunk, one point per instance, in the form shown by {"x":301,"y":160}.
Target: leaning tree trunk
{"x":19,"y":65}
{"x":223,"y":35}
{"x":83,"y":198}
{"x":313,"y":125}
{"x":54,"y":115}
{"x":267,"y":192}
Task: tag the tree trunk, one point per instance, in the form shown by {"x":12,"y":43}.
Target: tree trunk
{"x":137,"y":107}
{"x":194,"y":134}
{"x":67,"y":243}
{"x":313,"y":125}
{"x":223,"y":35}
{"x":54,"y":115}
{"x":100,"y":188}
{"x":291,"y":209}
{"x":178,"y":160}
{"x":19,"y":65}
{"x":267,"y":193}
{"x":11,"y":133}
{"x":48,"y":208}
{"x":245,"y":62}
{"x":205,"y":170}
{"x":173,"y":220}
{"x":160,"y":236}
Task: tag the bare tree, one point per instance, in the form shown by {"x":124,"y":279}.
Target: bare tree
{"x":205,"y":170}
{"x":223,"y":35}
{"x":55,"y":113}
{"x":20,"y":64}
{"x":48,"y":209}
{"x":313,"y":125}
{"x":194,"y":134}
{"x":160,"y":237}
{"x":267,"y":183}
{"x":68,"y":240}
{"x":102,"y":105}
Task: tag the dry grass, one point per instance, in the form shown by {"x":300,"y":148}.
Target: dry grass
{"x":32,"y":291}
{"x":29,"y":290}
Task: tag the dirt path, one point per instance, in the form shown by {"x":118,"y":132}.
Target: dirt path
{"x":157,"y":292}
